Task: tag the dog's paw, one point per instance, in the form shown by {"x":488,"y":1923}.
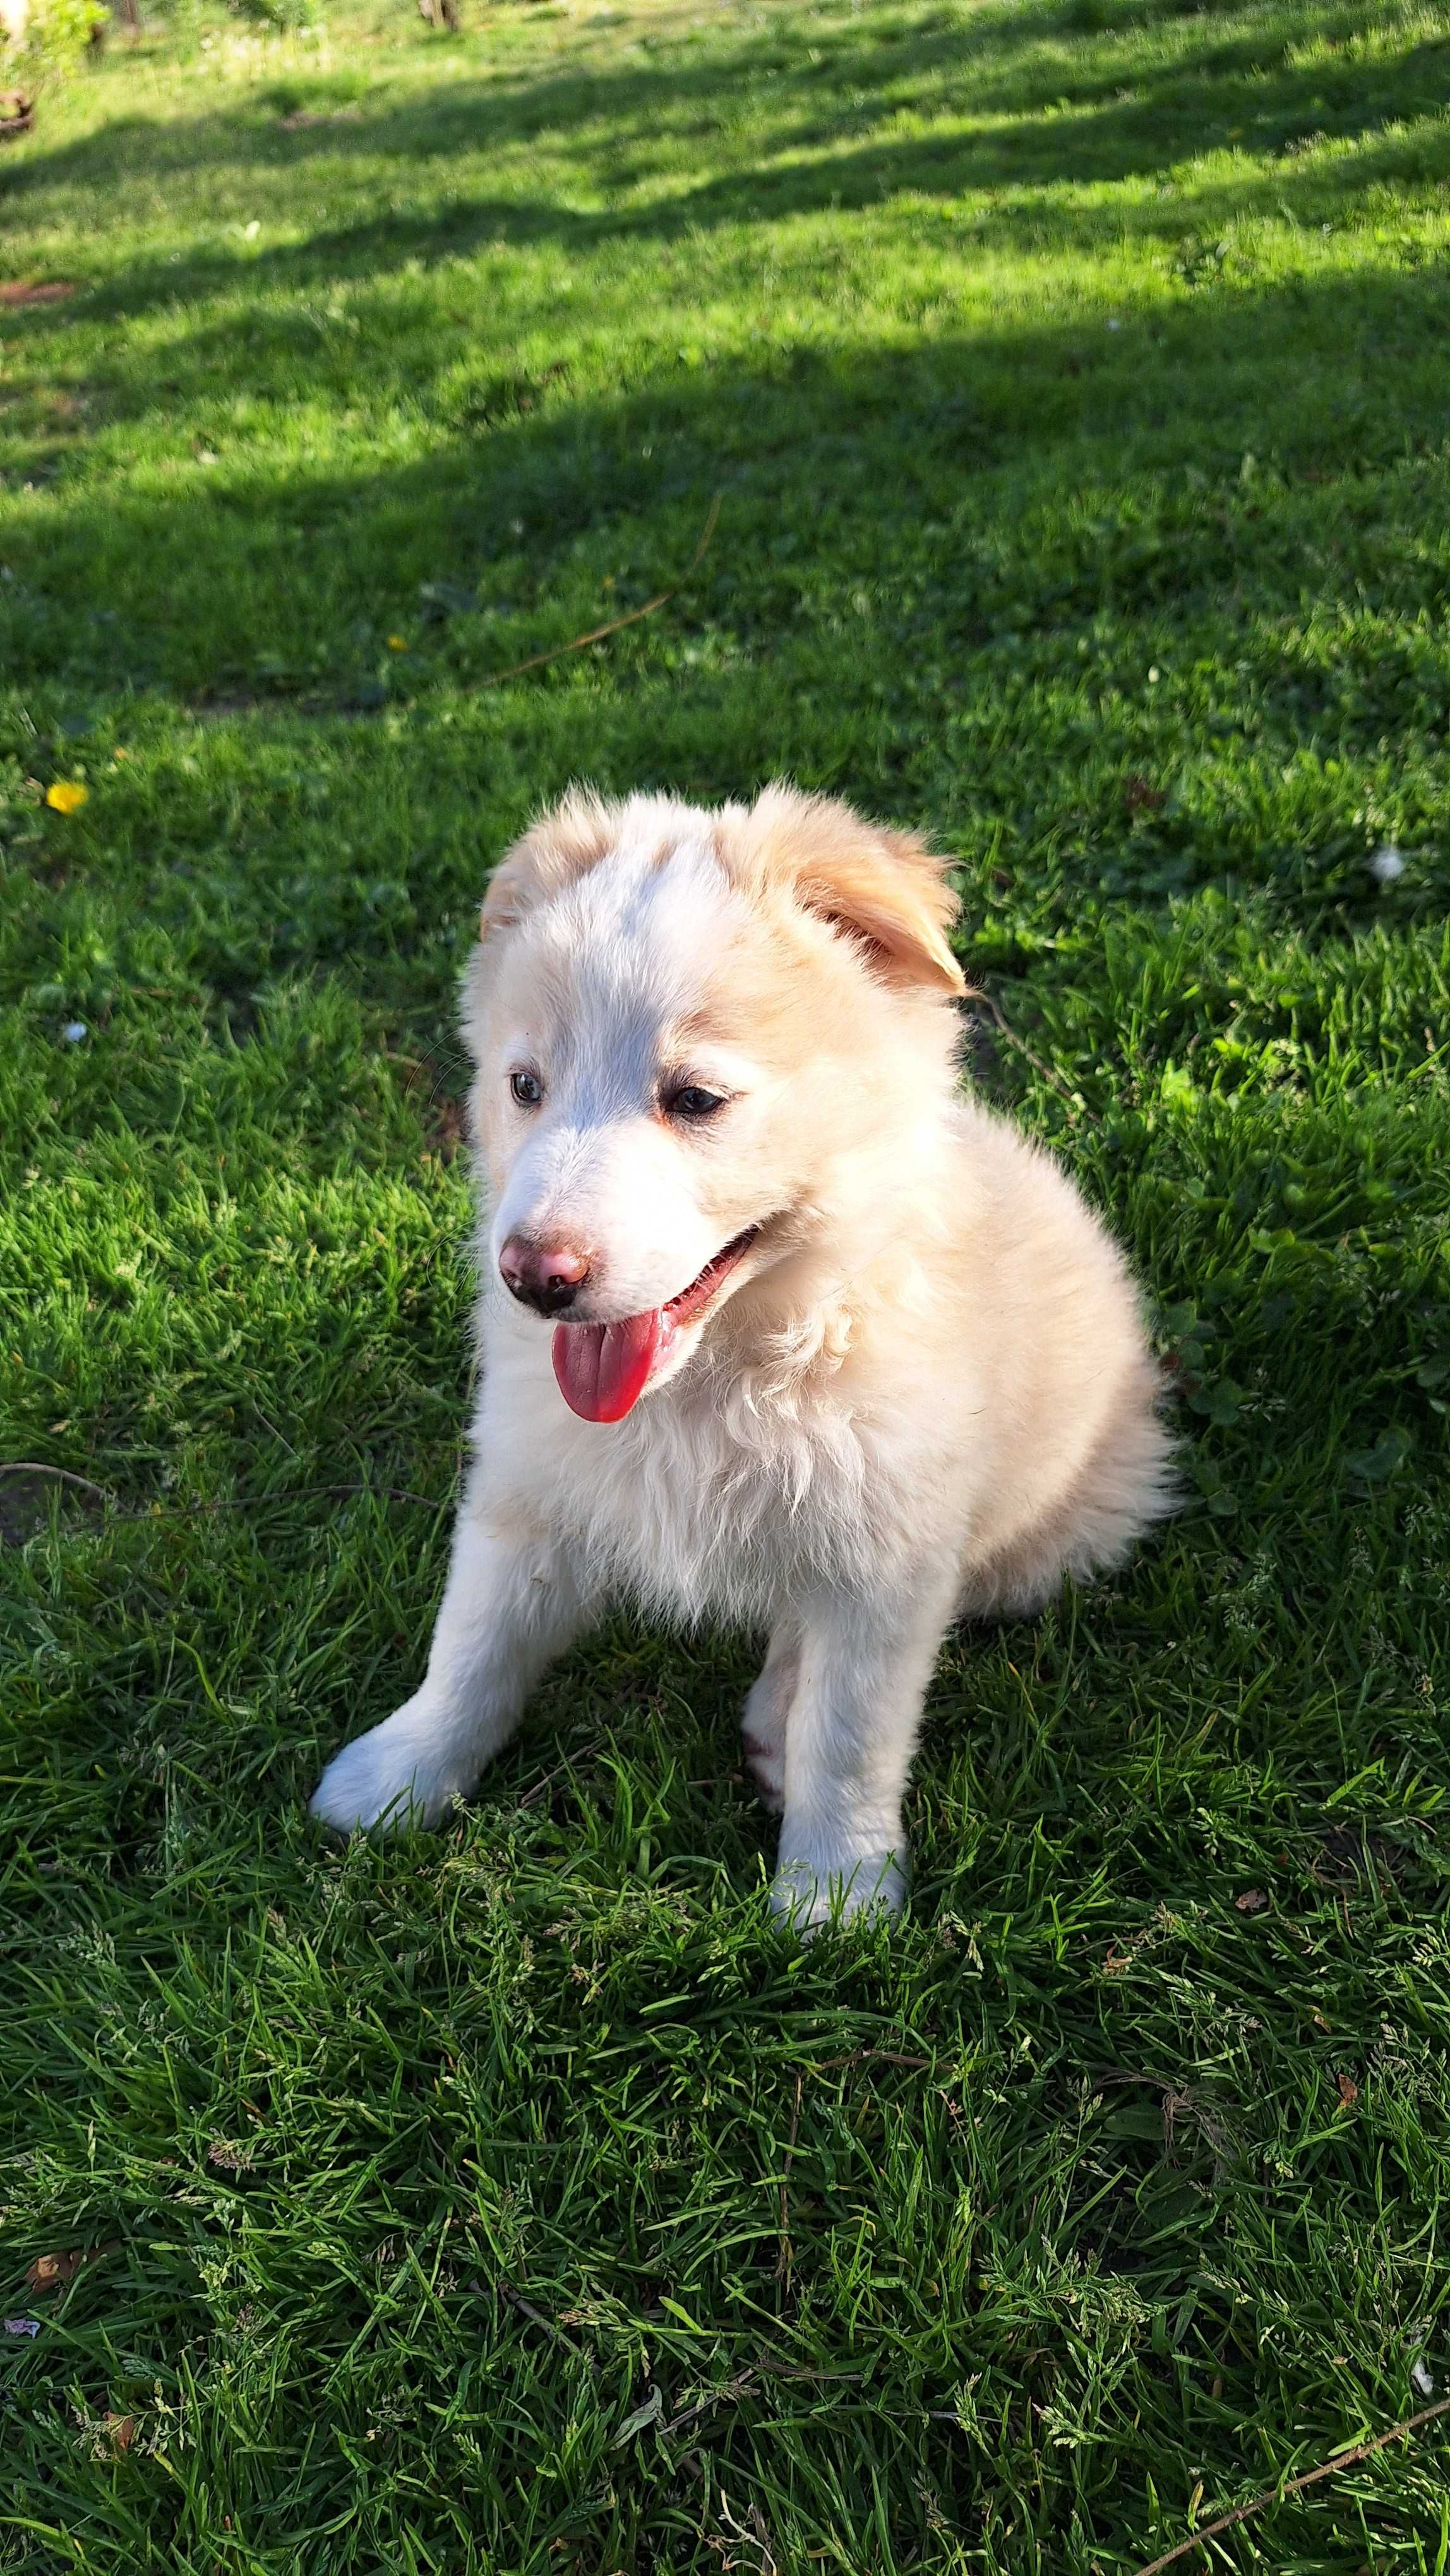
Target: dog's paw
{"x":809,"y":1893}
{"x":398,"y":1775}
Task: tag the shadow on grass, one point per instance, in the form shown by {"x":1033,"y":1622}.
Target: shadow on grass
{"x":1042,"y":94}
{"x":974,"y":464}
{"x":1183,"y":220}
{"x":929,"y":559}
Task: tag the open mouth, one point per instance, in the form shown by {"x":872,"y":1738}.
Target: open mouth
{"x":603,"y":1369}
{"x":692,"y":1301}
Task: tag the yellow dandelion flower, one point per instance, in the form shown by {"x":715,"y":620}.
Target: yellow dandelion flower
{"x":397,"y":643}
{"x":66,"y":795}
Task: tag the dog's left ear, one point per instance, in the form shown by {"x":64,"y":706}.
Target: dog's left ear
{"x":562,"y":845}
{"x":884,"y":887}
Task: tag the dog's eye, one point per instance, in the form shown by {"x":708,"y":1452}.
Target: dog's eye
{"x":693,"y":1102}
{"x":527,"y":1089}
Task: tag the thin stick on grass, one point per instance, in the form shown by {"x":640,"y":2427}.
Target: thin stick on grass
{"x":528,"y":1796}
{"x":785,"y":2260}
{"x":733,"y":2390}
{"x":745,"y":2380}
{"x":291,"y":1494}
{"x":871,"y":2057}
{"x":825,"y":2066}
{"x":63,"y":1475}
{"x":597,"y":634}
{"x":537,"y":2317}
{"x":812,"y":2378}
{"x":1002,"y":1023}
{"x":230,"y":1503}
{"x":1349,"y":2459}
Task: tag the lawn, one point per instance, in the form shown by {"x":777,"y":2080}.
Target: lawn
{"x":1071,"y":378}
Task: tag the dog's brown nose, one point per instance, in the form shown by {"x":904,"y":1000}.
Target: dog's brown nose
{"x":547,"y":1276}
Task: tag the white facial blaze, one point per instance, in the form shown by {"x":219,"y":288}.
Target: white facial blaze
{"x":597,"y":1165}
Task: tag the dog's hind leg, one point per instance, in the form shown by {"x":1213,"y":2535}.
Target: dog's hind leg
{"x":513,"y":1601}
{"x":767,"y":1714}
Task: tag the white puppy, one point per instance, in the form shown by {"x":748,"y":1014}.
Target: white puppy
{"x":776,"y":1324}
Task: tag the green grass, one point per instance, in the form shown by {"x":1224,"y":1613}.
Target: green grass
{"x":1073,"y":378}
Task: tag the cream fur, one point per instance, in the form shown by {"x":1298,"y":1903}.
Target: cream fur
{"x":923,"y":1393}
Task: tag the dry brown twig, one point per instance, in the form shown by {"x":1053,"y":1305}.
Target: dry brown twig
{"x":63,"y":1475}
{"x":597,"y":634}
{"x":744,"y":2380}
{"x":1000,"y":1022}
{"x":297,"y":1494}
{"x":1347,"y":2459}
{"x":786,"y":2257}
{"x":232,"y":1503}
{"x":870,"y":2057}
{"x":826,"y":2066}
{"x":536,"y":2316}
{"x":733,"y":2389}
{"x":585,"y":1753}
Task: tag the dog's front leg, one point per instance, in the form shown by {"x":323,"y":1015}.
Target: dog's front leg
{"x":513,"y":1601}
{"x":865,"y":1661}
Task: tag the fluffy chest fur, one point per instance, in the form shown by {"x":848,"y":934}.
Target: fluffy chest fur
{"x":732,"y":1491}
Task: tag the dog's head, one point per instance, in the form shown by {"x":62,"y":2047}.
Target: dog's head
{"x":705,"y":1042}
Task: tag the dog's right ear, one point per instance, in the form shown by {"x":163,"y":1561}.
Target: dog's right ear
{"x":561,"y":846}
{"x":885,"y":890}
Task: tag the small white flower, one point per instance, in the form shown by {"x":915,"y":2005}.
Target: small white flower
{"x":1387,"y":864}
{"x":73,"y":1032}
{"x":251,"y":230}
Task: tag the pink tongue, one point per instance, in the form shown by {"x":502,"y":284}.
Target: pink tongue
{"x":602,"y":1368}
